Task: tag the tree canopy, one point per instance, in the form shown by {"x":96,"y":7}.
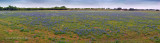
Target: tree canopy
{"x":1,"y":8}
{"x":16,"y":8}
{"x":10,"y":8}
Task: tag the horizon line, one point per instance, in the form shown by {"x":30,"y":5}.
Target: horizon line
{"x":83,"y":7}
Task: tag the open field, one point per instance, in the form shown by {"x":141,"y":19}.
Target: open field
{"x":79,"y":27}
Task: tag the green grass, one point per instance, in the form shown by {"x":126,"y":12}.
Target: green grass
{"x":80,"y":26}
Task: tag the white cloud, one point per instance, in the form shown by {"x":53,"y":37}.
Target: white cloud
{"x":84,"y":3}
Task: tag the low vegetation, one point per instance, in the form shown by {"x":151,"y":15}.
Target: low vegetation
{"x":79,"y":26}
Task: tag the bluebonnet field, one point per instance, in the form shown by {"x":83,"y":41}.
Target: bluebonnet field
{"x":80,"y":26}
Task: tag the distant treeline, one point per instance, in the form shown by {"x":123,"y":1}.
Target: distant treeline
{"x":65,"y":8}
{"x":16,"y":8}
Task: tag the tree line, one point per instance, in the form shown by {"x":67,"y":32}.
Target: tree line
{"x":16,"y":8}
{"x":65,"y":8}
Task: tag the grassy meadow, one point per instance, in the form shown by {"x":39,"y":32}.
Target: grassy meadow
{"x":79,"y":26}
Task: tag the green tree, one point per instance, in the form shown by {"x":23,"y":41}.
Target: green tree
{"x":56,"y":8}
{"x":131,"y":9}
{"x":119,"y":8}
{"x":157,"y":10}
{"x":60,"y":8}
{"x":63,"y":8}
{"x":11,"y":8}
{"x":1,"y":8}
{"x":15,"y":8}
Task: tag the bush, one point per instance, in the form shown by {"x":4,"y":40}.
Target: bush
{"x":93,"y":39}
{"x":5,"y":24}
{"x":24,"y":30}
{"x":53,"y":39}
{"x":62,"y":38}
{"x":155,"y":39}
{"x":59,"y":32}
{"x":61,"y":42}
{"x":36,"y":36}
{"x":117,"y":41}
{"x":15,"y":27}
{"x":71,"y":36}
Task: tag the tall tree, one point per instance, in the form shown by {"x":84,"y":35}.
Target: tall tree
{"x":119,"y":8}
{"x":11,"y":8}
{"x":131,"y":9}
{"x":1,"y":8}
{"x":63,"y":8}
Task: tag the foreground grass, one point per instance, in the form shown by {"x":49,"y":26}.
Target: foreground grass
{"x":76,"y":27}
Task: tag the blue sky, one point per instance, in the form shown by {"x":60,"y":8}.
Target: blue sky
{"x":141,"y":4}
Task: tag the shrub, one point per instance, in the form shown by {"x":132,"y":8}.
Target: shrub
{"x":53,"y":39}
{"x":15,"y":27}
{"x":61,"y":42}
{"x":36,"y":36}
{"x":24,"y":30}
{"x":93,"y":39}
{"x":155,"y":39}
{"x":62,"y":38}
{"x":117,"y":41}
{"x":59,"y":32}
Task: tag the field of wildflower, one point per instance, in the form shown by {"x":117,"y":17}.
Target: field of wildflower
{"x":79,"y":27}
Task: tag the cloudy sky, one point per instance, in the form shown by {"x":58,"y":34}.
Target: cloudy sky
{"x":141,"y":4}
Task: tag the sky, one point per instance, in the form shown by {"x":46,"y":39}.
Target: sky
{"x":139,"y":4}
